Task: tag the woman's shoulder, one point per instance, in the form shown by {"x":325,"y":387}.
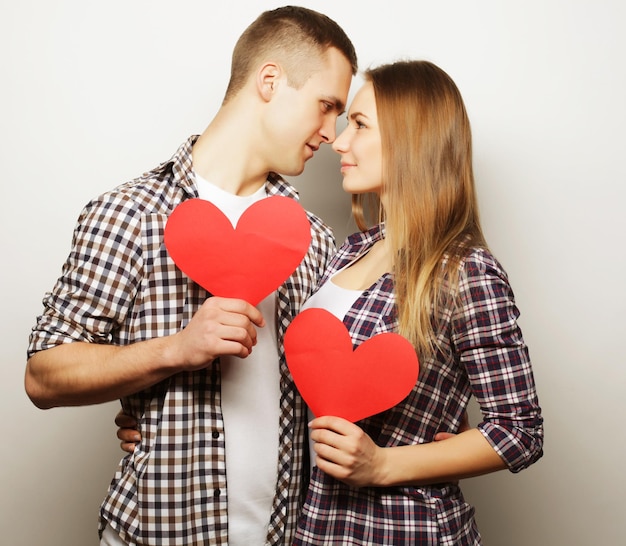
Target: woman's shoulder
{"x":480,"y":261}
{"x":474,"y":261}
{"x":482,"y":277}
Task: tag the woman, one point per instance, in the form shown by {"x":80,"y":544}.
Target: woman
{"x":425,"y":271}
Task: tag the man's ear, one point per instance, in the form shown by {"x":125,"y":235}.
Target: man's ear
{"x":268,"y":78}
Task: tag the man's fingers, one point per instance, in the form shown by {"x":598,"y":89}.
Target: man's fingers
{"x":127,"y":447}
{"x":128,"y":434}
{"x":125,"y":421}
{"x":443,"y":436}
{"x":237,"y":306}
{"x":231,"y":320}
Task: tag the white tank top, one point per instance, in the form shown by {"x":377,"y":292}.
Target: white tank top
{"x":335,"y":300}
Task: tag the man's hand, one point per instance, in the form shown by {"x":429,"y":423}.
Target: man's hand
{"x":446,"y":435}
{"x":128,"y":431}
{"x":222,"y":326}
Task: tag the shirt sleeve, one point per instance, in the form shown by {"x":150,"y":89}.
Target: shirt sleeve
{"x":99,"y":278}
{"x":491,"y":347}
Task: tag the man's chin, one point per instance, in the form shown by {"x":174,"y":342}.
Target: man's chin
{"x":294,"y":171}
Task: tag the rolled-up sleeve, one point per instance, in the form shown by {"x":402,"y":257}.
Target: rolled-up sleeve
{"x":98,"y":281}
{"x":492,"y":350}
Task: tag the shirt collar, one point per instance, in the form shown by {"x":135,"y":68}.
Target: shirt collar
{"x":369,"y":237}
{"x":181,"y":165}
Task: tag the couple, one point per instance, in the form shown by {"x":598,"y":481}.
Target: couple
{"x":223,"y":454}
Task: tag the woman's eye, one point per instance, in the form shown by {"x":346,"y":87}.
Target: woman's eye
{"x":360,"y":124}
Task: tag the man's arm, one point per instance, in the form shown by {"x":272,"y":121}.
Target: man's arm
{"x":80,"y":373}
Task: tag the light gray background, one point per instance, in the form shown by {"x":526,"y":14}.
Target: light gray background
{"x":95,"y":93}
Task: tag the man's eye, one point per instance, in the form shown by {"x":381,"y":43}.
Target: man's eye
{"x":327,"y":106}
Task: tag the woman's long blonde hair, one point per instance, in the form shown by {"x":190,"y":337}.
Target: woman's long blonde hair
{"x":431,"y":213}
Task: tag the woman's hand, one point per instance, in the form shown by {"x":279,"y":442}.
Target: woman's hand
{"x":346,"y":453}
{"x":128,"y":431}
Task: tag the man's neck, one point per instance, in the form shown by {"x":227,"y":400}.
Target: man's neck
{"x":226,"y":155}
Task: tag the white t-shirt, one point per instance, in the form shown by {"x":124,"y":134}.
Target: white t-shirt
{"x":250,"y":406}
{"x":251,"y":410}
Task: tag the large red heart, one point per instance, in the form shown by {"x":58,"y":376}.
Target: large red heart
{"x":249,"y":261}
{"x":335,"y":380}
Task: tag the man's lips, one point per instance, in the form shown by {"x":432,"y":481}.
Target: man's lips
{"x":312,"y":148}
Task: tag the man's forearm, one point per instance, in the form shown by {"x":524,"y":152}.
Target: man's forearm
{"x":75,"y":374}
{"x":78,"y":373}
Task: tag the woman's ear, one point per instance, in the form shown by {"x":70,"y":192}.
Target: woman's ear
{"x":268,"y":78}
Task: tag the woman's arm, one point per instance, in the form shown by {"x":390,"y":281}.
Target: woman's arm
{"x":491,"y":349}
{"x":489,"y":344}
{"x":345,"y":452}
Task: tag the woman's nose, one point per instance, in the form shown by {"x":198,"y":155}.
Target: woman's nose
{"x":341,"y":142}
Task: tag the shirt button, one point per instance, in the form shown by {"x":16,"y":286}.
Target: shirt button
{"x":216,"y":434}
{"x":217,"y":492}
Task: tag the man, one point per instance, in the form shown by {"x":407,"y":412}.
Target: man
{"x":123,"y":322}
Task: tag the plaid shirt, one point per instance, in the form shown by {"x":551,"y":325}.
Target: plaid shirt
{"x":482,"y":354}
{"x":119,"y":286}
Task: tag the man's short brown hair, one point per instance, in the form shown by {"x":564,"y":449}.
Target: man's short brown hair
{"x":297,"y":37}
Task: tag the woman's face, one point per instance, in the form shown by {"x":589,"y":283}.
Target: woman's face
{"x":360,"y":147}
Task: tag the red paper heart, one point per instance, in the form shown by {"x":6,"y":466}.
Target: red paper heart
{"x":247,"y":262}
{"x":334,"y":380}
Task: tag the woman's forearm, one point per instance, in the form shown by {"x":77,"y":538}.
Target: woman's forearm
{"x":466,"y":455}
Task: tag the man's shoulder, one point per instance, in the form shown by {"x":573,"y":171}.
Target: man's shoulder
{"x":153,"y":189}
{"x":158,"y":190}
{"x":147,"y":194}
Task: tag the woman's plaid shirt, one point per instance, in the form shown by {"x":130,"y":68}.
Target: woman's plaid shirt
{"x":482,"y":354}
{"x":119,"y":286}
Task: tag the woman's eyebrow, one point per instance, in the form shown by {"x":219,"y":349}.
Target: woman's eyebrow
{"x":354,"y":115}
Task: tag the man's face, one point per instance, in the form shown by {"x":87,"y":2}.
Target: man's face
{"x":302,"y":119}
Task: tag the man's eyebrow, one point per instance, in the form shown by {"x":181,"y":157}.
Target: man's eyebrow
{"x":338,"y":105}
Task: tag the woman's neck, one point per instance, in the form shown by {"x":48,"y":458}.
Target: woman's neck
{"x":363,"y":273}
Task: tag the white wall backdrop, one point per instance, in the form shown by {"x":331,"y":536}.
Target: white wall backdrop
{"x":94,"y":94}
